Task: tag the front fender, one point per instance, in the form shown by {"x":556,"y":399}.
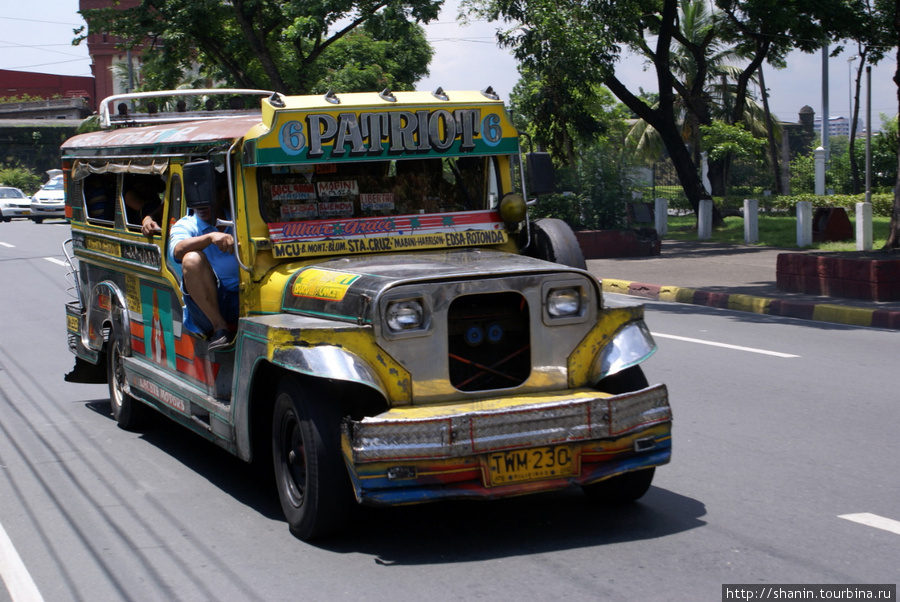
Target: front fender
{"x":619,"y":340}
{"x":329,"y":362}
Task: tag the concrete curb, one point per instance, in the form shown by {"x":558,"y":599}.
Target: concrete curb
{"x":820,"y":312}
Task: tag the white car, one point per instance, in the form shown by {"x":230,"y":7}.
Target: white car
{"x":50,"y":200}
{"x":14,"y":203}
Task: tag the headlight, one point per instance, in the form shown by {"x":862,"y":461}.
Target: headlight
{"x":405,"y":315}
{"x":564,"y":302}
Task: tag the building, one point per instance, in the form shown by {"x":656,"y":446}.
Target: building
{"x":840,"y":126}
{"x":112,"y":67}
{"x":68,"y":95}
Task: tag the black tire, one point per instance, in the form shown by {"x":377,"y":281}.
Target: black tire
{"x":312,"y":481}
{"x":553,"y":240}
{"x":38,"y":220}
{"x":626,"y":381}
{"x":631,"y":486}
{"x":129,"y":413}
{"x":621,"y":489}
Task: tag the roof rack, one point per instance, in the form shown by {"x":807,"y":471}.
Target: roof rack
{"x":121,"y":116}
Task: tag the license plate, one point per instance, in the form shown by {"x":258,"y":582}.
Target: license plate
{"x":530,"y":464}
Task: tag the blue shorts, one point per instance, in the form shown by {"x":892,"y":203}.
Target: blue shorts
{"x":196,"y":321}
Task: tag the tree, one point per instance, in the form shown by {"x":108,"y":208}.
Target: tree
{"x":584,"y":39}
{"x":289,"y":47}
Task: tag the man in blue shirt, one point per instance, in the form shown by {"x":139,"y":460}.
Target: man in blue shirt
{"x":210,"y":274}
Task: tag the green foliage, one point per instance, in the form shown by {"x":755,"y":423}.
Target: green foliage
{"x":722,"y":140}
{"x":598,"y":191}
{"x":19,"y":98}
{"x":289,"y":47}
{"x":20,"y":177}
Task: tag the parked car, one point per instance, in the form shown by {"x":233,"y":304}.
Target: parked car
{"x":50,"y":200}
{"x":14,"y":203}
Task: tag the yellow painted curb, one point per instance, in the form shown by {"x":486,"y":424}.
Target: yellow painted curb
{"x":676,"y":294}
{"x":855,"y":316}
{"x":749,"y":303}
{"x":611,"y":285}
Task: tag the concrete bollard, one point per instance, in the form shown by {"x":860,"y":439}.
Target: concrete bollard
{"x":751,"y":221}
{"x":661,"y":216}
{"x":704,"y":223}
{"x":804,"y":224}
{"x":864,"y":227}
{"x":819,"y":155}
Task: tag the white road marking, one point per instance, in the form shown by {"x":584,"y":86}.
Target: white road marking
{"x":726,"y":346}
{"x":7,"y":245}
{"x":873,"y":520}
{"x":18,"y":581}
{"x":55,"y":260}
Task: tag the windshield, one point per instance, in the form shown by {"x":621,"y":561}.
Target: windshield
{"x":54,"y":184}
{"x":377,"y":188}
{"x":11,"y":193}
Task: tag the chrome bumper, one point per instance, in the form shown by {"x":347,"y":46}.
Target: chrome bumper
{"x":473,"y":428}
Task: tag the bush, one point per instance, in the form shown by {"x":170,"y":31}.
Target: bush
{"x":20,"y":177}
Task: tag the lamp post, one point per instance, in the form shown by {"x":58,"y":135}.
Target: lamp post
{"x":850,"y":90}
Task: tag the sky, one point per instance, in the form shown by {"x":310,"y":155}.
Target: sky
{"x":36,"y":36}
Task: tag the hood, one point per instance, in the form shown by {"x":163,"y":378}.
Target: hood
{"x":347,"y":288}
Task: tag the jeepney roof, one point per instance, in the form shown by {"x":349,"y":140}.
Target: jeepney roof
{"x":159,"y":140}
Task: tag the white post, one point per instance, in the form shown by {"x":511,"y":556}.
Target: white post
{"x":864,"y":226}
{"x":751,"y":221}
{"x":661,"y":216}
{"x":819,"y":154}
{"x":704,"y":224}
{"x":704,"y":171}
{"x":804,"y":224}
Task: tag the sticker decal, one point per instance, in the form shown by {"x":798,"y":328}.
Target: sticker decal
{"x":326,"y":285}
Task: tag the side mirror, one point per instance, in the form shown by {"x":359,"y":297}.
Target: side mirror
{"x":199,"y":183}
{"x":540,"y":173}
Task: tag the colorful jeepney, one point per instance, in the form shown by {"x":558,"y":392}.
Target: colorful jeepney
{"x":402,"y":337}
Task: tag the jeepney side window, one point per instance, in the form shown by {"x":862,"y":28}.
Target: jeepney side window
{"x":173,"y":214}
{"x":98,"y":192}
{"x":141,"y":198}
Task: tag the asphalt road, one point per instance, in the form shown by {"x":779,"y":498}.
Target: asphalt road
{"x":777,"y":435}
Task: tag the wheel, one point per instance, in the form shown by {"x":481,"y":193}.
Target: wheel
{"x":310,"y":476}
{"x":129,"y":413}
{"x":38,"y":220}
{"x":553,"y":240}
{"x":628,"y":487}
{"x":620,"y":489}
{"x":626,"y":381}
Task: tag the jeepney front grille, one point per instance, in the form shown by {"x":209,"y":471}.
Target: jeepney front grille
{"x":489,"y":341}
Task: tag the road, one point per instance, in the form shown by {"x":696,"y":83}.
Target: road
{"x":778,"y":434}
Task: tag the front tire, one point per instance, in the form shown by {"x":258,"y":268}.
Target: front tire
{"x":629,"y":487}
{"x":310,"y":476}
{"x":129,"y":413}
{"x":553,"y":240}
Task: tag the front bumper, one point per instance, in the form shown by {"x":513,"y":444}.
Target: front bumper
{"x":419,"y":454}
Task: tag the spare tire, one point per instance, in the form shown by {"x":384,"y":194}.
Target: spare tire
{"x":553,"y":240}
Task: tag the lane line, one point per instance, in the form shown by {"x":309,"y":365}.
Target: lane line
{"x":725,"y":345}
{"x":55,"y":260}
{"x":18,"y":581}
{"x":7,"y":245}
{"x":873,"y":520}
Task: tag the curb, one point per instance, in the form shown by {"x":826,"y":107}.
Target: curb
{"x":820,"y":312}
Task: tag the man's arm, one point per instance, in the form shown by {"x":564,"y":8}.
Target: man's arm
{"x":222,"y":240}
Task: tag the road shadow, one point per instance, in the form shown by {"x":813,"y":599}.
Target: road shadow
{"x":440,"y":532}
{"x":467,"y":531}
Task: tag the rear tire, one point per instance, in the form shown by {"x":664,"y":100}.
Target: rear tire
{"x":553,"y":240}
{"x":38,"y":220}
{"x":312,"y":481}
{"x":129,"y":413}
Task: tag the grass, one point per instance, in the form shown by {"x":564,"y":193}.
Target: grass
{"x":773,"y":232}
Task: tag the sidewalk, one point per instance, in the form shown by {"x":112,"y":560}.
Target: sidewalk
{"x":736,"y":277}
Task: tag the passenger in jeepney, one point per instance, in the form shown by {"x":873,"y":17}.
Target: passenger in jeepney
{"x":206,"y":254}
{"x":143,"y":204}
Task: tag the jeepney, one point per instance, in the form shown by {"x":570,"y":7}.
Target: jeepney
{"x":405,"y":334}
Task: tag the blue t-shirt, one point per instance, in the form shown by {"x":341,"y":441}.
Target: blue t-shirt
{"x":224,"y":264}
